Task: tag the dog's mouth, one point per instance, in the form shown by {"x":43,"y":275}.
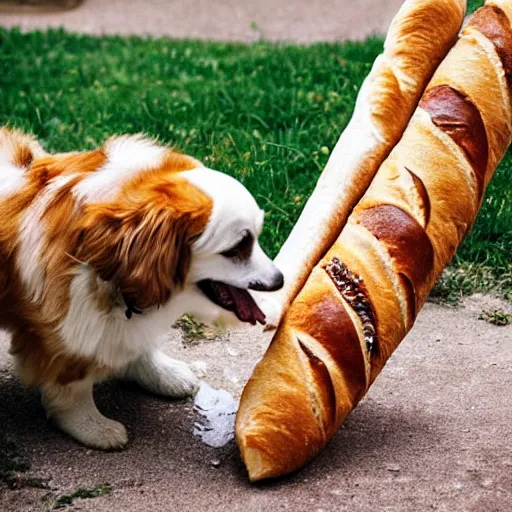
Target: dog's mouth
{"x":233,"y":299}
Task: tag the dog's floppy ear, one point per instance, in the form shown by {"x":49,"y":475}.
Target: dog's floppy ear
{"x":142,"y":243}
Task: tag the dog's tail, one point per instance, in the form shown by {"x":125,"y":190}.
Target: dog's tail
{"x":18,"y":149}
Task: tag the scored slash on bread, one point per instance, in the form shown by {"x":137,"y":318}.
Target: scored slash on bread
{"x":397,"y":240}
{"x":419,"y":38}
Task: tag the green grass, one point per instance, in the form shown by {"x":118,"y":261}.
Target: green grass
{"x":12,"y":461}
{"x":14,"y":467}
{"x":496,"y":317}
{"x":68,"y":499}
{"x":267,"y":114}
{"x":193,"y":330}
{"x":473,"y":5}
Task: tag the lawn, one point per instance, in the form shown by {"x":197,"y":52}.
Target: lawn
{"x":268,"y":114}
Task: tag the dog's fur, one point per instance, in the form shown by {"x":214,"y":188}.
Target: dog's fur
{"x":84,"y":237}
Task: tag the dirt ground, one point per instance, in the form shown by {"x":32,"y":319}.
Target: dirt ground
{"x":226,"y":20}
{"x":433,"y":433}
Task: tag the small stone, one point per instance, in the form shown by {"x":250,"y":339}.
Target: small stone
{"x":232,"y":352}
{"x":487,"y":483}
{"x":215,"y":463}
{"x":393,"y":468}
{"x":200,"y":368}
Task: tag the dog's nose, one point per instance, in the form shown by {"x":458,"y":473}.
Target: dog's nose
{"x":276,"y":283}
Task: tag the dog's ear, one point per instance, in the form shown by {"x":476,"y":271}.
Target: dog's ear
{"x":144,"y":246}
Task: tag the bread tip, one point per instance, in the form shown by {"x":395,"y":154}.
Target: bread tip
{"x":258,"y":465}
{"x":255,"y":464}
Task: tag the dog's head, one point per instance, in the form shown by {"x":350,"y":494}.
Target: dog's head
{"x":227,"y":259}
{"x":176,"y":224}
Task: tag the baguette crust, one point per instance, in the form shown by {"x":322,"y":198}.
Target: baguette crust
{"x":399,"y":237}
{"x":418,"y":39}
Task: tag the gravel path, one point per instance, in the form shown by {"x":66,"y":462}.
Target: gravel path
{"x":226,"y":20}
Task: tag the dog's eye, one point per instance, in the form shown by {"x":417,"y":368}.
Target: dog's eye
{"x":242,"y":250}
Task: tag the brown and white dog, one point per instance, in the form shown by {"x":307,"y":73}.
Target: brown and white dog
{"x":101,"y":251}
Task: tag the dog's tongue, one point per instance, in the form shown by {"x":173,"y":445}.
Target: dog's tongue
{"x":233,"y":299}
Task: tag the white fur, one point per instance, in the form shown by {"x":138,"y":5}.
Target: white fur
{"x":108,"y":337}
{"x":72,"y":407}
{"x":113,"y":340}
{"x":233,"y":208}
{"x":127,"y":156}
{"x":128,"y":347}
{"x":31,"y":237}
{"x":234,"y":211}
{"x":13,"y":178}
{"x":159,"y":374}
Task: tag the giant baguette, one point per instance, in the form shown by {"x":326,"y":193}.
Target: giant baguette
{"x":419,"y":37}
{"x":364,"y":295}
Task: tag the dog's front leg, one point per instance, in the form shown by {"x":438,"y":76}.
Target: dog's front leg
{"x":72,"y":407}
{"x":162,"y":375}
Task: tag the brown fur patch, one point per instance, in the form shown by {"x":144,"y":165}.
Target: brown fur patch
{"x":177,"y":162}
{"x":23,"y":156}
{"x":141,"y":240}
{"x":19,"y":147}
{"x":41,"y":359}
{"x":45,"y":169}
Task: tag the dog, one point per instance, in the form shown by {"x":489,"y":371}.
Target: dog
{"x":101,"y":252}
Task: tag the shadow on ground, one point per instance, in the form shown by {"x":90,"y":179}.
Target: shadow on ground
{"x":434,"y":433}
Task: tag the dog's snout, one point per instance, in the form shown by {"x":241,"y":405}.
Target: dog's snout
{"x":278,"y":281}
{"x":274,"y":284}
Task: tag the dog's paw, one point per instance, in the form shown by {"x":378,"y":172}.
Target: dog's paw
{"x":177,"y":380}
{"x":94,"y":431}
{"x":73,"y":410}
{"x":162,"y":375}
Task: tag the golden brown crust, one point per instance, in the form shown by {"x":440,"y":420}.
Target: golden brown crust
{"x":329,"y":321}
{"x":360,"y":251}
{"x":404,"y":239}
{"x":354,"y":293}
{"x":488,"y":89}
{"x":418,"y":39}
{"x":269,"y":437}
{"x":458,"y":117}
{"x":421,"y":39}
{"x":399,"y":237}
{"x":493,"y":23}
{"x":322,"y":377}
{"x":504,"y":5}
{"x":453,"y":201}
